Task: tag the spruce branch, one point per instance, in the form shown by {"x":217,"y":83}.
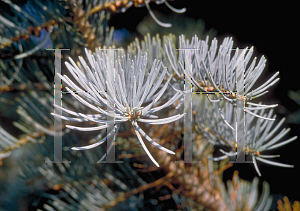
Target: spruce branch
{"x":130,"y":94}
{"x":149,"y":77}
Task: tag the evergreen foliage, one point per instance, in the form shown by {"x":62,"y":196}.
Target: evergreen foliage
{"x":149,"y":91}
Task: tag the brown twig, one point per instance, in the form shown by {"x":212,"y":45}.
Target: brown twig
{"x":22,"y":87}
{"x":35,"y":31}
{"x":117,"y":5}
{"x":286,"y":205}
{"x":137,"y":190}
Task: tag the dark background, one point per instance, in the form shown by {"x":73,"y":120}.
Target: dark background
{"x":272,"y":30}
